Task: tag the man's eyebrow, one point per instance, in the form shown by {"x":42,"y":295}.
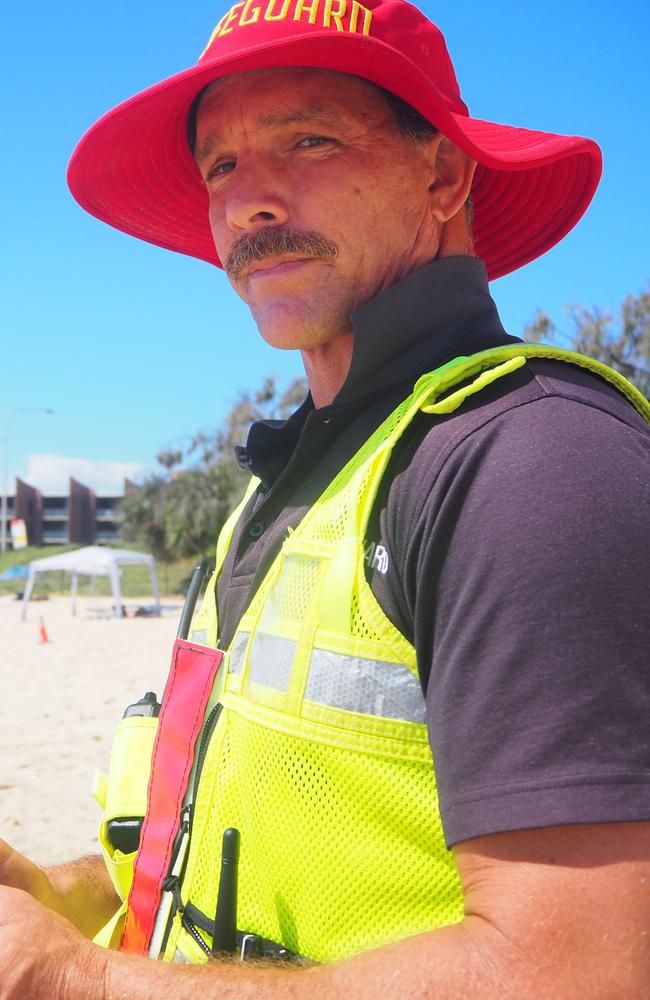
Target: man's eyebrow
{"x":210,"y":142}
{"x":273,"y":120}
{"x":297,"y":116}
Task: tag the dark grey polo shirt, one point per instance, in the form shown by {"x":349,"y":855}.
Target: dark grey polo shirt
{"x":509,"y":544}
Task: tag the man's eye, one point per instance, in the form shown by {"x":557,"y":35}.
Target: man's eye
{"x":313,"y":140}
{"x":223,"y":167}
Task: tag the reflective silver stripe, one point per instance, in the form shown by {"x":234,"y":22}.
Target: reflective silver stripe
{"x":238,"y":652}
{"x":371,"y":687}
{"x":200,"y":636}
{"x":271,"y":660}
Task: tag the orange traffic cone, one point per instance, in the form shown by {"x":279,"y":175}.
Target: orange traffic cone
{"x":42,"y":631}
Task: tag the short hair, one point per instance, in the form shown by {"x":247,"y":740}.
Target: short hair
{"x":191,"y":119}
{"x":415,"y":128}
{"x":416,"y":131}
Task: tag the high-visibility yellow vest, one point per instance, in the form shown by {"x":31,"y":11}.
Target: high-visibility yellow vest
{"x":320,"y":756}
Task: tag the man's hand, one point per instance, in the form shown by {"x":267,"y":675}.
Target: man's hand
{"x":42,"y":956}
{"x":79,"y":891}
{"x":18,"y":872}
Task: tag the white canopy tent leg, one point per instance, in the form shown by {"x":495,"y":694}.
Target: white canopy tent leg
{"x":154,"y":585}
{"x":117,"y":594}
{"x":27,"y":593}
{"x":73,"y":591}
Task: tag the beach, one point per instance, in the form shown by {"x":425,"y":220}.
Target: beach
{"x":60,"y":702}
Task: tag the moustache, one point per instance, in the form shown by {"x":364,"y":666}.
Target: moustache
{"x":276,"y":241}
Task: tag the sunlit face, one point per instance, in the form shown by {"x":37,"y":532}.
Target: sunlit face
{"x":317,"y":157}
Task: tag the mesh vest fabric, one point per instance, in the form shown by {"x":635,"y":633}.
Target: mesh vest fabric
{"x":321,"y":756}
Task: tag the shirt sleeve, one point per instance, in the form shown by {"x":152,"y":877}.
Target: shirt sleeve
{"x":527,"y":588}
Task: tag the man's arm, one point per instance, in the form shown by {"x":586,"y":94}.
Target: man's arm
{"x":550,"y":914}
{"x":81,"y":891}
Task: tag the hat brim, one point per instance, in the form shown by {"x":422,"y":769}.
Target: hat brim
{"x":134,"y":170}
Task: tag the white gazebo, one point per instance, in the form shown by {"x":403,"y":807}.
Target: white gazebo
{"x":94,"y":560}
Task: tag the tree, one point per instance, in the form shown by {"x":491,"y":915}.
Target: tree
{"x":265,"y":404}
{"x":180,"y":511}
{"x":144,"y":516}
{"x":197,"y":504}
{"x":622,"y":342}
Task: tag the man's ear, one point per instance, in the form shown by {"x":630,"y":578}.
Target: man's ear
{"x":452,"y":173}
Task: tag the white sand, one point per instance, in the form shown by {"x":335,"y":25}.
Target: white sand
{"x":59,"y":704}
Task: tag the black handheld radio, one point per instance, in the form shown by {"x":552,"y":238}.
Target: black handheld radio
{"x":124,"y":832}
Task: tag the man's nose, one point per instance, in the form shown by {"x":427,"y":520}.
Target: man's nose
{"x":254,"y":200}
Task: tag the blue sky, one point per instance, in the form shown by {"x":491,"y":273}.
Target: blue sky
{"x":136,"y":348}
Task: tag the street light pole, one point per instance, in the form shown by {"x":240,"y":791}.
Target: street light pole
{"x":5,"y":470}
{"x":3,"y":505}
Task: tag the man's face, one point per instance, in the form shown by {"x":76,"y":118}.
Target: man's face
{"x":317,"y":202}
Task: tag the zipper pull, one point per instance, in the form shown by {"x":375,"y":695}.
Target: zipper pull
{"x":172,"y":884}
{"x":186,"y":814}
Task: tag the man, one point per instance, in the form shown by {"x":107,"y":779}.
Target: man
{"x":476,"y":534}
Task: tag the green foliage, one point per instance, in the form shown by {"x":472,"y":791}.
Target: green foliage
{"x":144,"y":517}
{"x":198,"y":502}
{"x":265,"y":404}
{"x":621,"y":341}
{"x":179,"y":512}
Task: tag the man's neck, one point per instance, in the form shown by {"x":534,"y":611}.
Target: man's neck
{"x":326,"y":367}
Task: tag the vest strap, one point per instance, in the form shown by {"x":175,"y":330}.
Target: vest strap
{"x":188,"y":688}
{"x":205,"y":626}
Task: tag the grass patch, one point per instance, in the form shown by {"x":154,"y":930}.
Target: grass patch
{"x":135,"y":580}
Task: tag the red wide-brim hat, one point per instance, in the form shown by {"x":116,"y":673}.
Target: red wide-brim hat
{"x":134,"y":168}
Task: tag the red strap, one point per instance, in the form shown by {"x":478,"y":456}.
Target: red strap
{"x":188,"y":688}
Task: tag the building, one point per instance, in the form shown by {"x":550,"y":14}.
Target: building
{"x":79,"y":517}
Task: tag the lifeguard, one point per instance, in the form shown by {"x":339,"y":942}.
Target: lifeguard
{"x":342,"y":15}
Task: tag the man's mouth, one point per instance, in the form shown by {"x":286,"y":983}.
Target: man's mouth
{"x":275,"y":267}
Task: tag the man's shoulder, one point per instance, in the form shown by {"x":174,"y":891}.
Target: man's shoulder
{"x":544,"y":379}
{"x":531,"y":472}
{"x":539,"y":403}
{"x":549,"y":434}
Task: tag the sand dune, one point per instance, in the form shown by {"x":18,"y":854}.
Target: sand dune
{"x":59,"y":704}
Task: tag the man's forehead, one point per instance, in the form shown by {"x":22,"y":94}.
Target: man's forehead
{"x":285,"y":96}
{"x":270,"y":80}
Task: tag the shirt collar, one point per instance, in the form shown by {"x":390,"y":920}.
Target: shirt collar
{"x":436,"y":313}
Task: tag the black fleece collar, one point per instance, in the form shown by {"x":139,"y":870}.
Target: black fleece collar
{"x":436,"y":313}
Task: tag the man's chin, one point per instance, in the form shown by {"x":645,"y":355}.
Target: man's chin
{"x":288,"y":326}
